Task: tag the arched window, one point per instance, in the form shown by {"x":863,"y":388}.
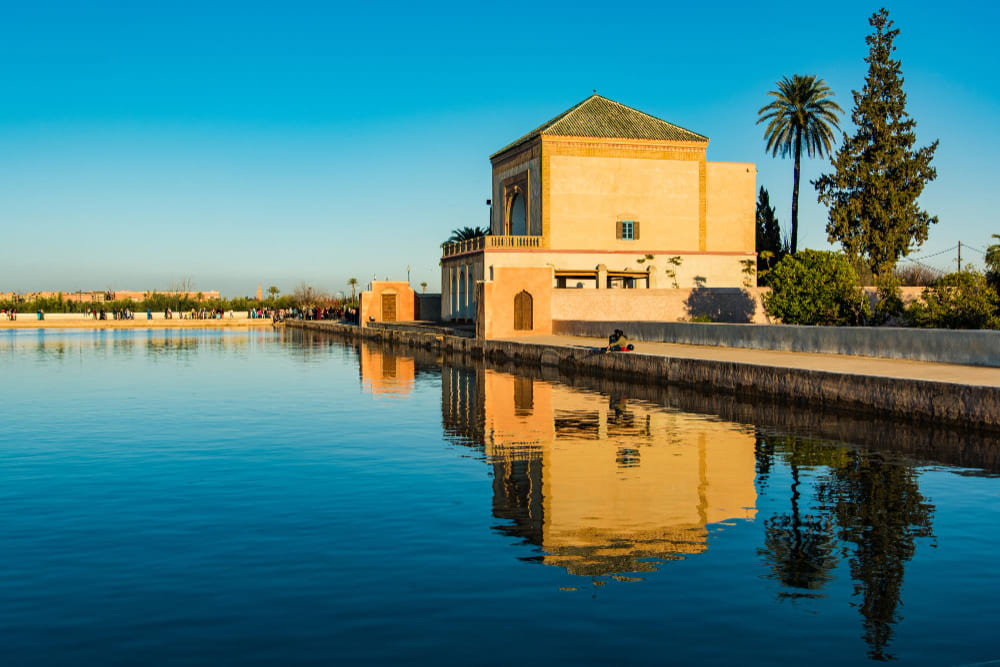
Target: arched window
{"x":454,"y":293}
{"x":518,"y":221}
{"x":462,"y":299}
{"x":523,"y":319}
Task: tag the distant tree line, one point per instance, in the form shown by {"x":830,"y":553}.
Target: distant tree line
{"x":302,"y":296}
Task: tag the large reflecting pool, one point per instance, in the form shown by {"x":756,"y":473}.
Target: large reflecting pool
{"x":284,"y":497}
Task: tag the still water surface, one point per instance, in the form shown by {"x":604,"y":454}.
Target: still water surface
{"x":281,"y":497}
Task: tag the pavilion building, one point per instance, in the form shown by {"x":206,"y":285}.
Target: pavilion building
{"x":605,"y":199}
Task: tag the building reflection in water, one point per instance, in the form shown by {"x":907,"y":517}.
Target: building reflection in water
{"x":609,"y":486}
{"x":602,"y":485}
{"x":384,"y":372}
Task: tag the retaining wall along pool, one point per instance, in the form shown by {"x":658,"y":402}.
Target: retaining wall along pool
{"x":920,"y":400}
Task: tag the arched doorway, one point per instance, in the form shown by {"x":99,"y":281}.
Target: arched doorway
{"x":523,"y":318}
{"x":518,"y":219}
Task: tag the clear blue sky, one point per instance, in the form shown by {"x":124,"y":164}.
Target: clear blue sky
{"x":245,"y":143}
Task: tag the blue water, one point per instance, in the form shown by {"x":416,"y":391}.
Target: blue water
{"x":271,"y":497}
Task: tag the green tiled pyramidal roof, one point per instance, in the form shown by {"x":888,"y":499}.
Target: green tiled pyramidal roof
{"x":598,"y":116}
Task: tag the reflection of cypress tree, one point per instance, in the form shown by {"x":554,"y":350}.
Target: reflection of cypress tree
{"x":799,"y":549}
{"x":764,"y":453}
{"x":879,"y":509}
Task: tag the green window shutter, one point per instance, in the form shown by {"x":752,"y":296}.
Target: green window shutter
{"x":618,"y":229}
{"x":635,"y":230}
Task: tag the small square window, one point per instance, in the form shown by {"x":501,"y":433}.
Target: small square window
{"x":628,"y":230}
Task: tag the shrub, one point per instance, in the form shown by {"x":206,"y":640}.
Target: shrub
{"x":958,"y":301}
{"x":816,"y":287}
{"x":889,"y":305}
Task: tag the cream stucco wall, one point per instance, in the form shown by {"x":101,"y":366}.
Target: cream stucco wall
{"x":658,"y":305}
{"x":495,"y":301}
{"x":588,"y":195}
{"x":707,"y":269}
{"x":731,"y":206}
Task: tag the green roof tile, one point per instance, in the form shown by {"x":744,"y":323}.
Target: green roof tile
{"x":598,"y":116}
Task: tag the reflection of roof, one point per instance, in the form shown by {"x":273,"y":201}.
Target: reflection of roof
{"x":598,"y":116}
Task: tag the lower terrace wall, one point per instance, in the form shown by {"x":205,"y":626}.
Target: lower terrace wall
{"x":721,"y":304}
{"x":973,"y":348}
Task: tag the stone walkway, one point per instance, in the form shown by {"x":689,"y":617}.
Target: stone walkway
{"x":831,"y":363}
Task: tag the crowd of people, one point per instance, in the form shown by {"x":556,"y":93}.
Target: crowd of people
{"x":8,"y":314}
{"x":116,"y":314}
{"x":340,"y":313}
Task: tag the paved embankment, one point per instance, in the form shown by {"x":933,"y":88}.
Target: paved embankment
{"x":929,"y":392}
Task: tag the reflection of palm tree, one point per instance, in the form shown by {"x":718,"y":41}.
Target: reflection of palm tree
{"x":799,"y":549}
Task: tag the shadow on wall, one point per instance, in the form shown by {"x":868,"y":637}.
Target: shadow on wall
{"x":720,"y":305}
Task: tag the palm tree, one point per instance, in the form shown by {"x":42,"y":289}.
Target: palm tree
{"x":423,"y":286}
{"x":802,"y":112}
{"x":353,"y":282}
{"x":273,"y":291}
{"x":466,"y":233}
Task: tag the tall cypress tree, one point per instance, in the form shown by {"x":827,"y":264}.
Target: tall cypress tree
{"x":768,"y":231}
{"x":878,"y":177}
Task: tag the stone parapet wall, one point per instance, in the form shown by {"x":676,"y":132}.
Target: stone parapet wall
{"x":972,"y":348}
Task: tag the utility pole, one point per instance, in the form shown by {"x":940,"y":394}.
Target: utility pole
{"x":959,"y":256}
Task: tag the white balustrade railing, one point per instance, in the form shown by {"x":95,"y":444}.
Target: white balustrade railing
{"x":488,"y":242}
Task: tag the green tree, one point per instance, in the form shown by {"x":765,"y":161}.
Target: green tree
{"x":957,"y":301}
{"x":768,"y":232}
{"x":993,"y":264}
{"x":816,"y":287}
{"x":878,"y":175}
{"x":353,"y":282}
{"x":802,"y":115}
{"x":273,"y":291}
{"x":423,"y":286}
{"x":466,"y":233}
